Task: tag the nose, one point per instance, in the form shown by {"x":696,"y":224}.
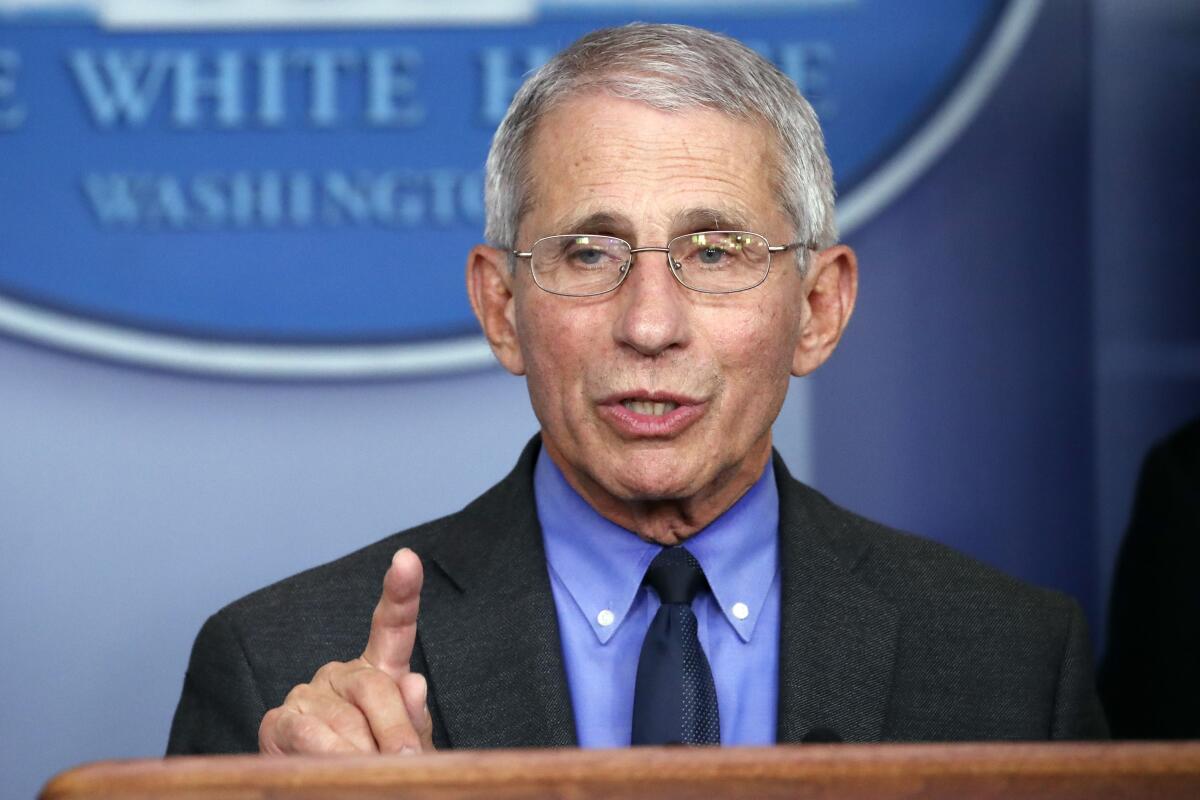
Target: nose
{"x":653,"y":308}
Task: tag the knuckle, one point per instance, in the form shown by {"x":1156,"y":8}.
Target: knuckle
{"x":327,"y":671}
{"x":352,"y":726}
{"x":302,"y":730}
{"x":268,"y":729}
{"x":299,"y":693}
{"x":345,"y":717}
{"x":372,"y":687}
{"x":307,"y":735}
{"x":377,"y":680}
{"x":289,"y":732}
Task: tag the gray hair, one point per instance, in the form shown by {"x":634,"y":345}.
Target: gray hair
{"x":671,"y":68}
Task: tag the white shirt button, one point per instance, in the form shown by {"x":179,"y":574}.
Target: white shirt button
{"x":741,"y":610}
{"x":605,"y":618}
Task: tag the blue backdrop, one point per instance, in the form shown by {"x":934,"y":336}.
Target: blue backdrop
{"x":1027,"y":323}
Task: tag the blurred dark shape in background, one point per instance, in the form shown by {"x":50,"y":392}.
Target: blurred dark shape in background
{"x":1150,"y":676}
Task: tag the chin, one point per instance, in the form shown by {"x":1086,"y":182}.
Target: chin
{"x":655,"y":476}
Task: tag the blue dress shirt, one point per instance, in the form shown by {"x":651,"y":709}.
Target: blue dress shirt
{"x":596,"y":570}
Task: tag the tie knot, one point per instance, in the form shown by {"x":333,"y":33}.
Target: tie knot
{"x":675,"y":575}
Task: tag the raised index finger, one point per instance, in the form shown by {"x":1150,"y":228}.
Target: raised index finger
{"x":394,"y":623}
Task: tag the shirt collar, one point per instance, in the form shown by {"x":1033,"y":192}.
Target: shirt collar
{"x":739,"y":553}
{"x":601,"y":564}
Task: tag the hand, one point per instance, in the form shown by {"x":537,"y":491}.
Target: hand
{"x":372,"y":704}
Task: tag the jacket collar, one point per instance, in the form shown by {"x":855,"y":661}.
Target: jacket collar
{"x":489,"y":628}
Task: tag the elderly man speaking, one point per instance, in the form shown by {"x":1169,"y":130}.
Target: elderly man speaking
{"x":663,"y":258}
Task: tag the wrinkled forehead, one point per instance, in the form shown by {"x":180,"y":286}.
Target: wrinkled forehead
{"x":598,"y":163}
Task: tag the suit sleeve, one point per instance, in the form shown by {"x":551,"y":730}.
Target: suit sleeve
{"x":221,"y":706}
{"x":1077,"y":710}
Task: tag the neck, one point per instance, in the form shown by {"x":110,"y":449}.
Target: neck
{"x":671,"y":520}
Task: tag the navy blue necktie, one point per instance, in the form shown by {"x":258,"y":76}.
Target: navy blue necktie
{"x":674,"y":699}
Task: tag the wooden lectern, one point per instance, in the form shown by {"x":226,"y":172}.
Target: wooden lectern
{"x":879,"y":772}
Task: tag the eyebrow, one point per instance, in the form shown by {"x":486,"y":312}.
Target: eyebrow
{"x":601,"y":222}
{"x":708,"y":219}
{"x":686,"y":221}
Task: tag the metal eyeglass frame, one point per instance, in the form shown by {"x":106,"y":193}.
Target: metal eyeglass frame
{"x":625,"y":269}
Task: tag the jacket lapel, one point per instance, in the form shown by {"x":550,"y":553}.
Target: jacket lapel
{"x":488,"y":625}
{"x":489,"y":629}
{"x":837,"y":635}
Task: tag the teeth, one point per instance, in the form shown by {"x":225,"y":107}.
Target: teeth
{"x":649,"y":408}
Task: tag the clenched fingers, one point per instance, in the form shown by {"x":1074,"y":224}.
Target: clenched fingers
{"x":393,"y":726}
{"x":351,"y":707}
{"x":287,"y":731}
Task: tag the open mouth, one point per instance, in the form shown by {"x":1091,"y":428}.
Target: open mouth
{"x":650,"y":408}
{"x":642,"y":414}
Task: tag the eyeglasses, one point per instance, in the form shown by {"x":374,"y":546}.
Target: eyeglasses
{"x":714,"y":262}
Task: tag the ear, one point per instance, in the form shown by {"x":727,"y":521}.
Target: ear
{"x":830,"y":288}
{"x":490,"y":287}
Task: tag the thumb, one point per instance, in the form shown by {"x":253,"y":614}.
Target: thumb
{"x":394,"y":622}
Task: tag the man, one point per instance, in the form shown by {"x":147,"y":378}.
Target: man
{"x":663,"y":258}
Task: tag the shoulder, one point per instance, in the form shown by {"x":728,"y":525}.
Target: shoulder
{"x":250,"y":654}
{"x":286,"y":630}
{"x":348,"y":586}
{"x":974,"y":653}
{"x":346,"y":580}
{"x":355,"y":579}
{"x":906,"y":568}
{"x":942,"y":597}
{"x":289,"y":628}
{"x":929,"y":578}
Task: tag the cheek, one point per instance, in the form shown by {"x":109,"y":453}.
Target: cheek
{"x":759,"y":341}
{"x":755,"y":355}
{"x":554,"y":350}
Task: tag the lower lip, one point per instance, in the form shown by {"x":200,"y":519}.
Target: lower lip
{"x":646,"y":426}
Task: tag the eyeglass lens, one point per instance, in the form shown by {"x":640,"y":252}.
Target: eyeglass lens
{"x":711,"y":261}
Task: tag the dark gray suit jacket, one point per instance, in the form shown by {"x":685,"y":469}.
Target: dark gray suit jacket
{"x":884,"y":636}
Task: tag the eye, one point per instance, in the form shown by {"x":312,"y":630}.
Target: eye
{"x":708,"y":251}
{"x":592,"y":253}
{"x":711,"y":255}
{"x":587,"y":256}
